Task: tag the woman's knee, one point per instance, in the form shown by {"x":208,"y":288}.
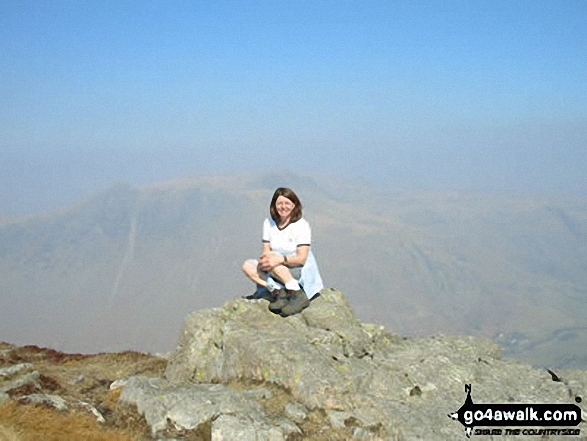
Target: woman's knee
{"x":250,"y":266}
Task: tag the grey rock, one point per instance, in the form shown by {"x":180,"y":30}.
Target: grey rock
{"x":31,"y":378}
{"x":337,"y":419}
{"x":211,"y":350}
{"x":231,"y":427}
{"x":49,"y":400}
{"x":163,"y":355}
{"x":257,"y":394}
{"x":364,"y":434}
{"x":367,"y":380}
{"x":296,"y":412}
{"x":332,"y":312}
{"x":201,"y":338}
{"x":14,"y":369}
{"x":188,"y":406}
{"x":93,"y":410}
{"x":118,"y":383}
{"x":286,"y":426}
{"x":3,"y":397}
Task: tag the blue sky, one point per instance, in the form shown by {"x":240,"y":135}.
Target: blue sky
{"x":470,"y":95}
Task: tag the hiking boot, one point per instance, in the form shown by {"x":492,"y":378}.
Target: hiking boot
{"x":281,"y":301}
{"x":298,"y":301}
{"x":261,"y":294}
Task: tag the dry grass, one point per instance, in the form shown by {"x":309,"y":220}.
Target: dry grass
{"x":33,"y":423}
{"x":8,"y":433}
{"x":110,"y":400}
{"x":74,"y":377}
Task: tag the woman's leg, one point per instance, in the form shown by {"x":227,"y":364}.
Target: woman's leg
{"x":282,"y":274}
{"x":251,"y":269}
{"x":289,"y":277}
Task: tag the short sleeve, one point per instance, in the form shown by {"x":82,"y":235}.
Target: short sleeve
{"x":266,"y":236}
{"x":304,"y":234}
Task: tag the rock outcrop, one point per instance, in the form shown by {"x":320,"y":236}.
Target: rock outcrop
{"x":364,"y":382}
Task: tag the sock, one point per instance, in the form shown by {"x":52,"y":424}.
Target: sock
{"x":292,"y":285}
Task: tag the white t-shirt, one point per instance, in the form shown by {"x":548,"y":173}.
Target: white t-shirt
{"x":287,"y":240}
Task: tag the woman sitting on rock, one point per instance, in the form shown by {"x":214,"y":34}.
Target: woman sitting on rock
{"x":286,"y":272}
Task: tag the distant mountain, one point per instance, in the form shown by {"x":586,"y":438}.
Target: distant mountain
{"x":121,"y":270}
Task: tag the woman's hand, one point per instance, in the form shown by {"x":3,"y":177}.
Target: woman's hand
{"x":270,"y":260}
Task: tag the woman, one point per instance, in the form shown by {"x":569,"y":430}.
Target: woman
{"x":286,"y":270}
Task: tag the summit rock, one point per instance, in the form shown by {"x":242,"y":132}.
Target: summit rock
{"x":366,"y":382}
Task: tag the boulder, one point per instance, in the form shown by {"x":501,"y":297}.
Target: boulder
{"x":245,"y":340}
{"x":367,"y":382}
{"x":190,"y":407}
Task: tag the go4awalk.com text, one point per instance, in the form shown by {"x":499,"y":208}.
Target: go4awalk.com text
{"x":543,"y":416}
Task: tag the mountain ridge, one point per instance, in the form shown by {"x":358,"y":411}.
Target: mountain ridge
{"x":130,"y":261}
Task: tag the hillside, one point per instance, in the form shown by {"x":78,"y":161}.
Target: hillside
{"x":66,"y":382}
{"x":120,"y":270}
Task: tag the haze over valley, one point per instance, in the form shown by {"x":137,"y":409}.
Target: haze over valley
{"x":122,"y":269}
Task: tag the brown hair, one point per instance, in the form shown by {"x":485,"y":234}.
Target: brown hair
{"x":296,"y":213}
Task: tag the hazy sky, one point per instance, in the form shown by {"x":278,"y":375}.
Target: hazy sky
{"x":473,"y":95}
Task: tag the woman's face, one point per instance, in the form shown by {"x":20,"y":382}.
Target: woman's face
{"x":284,"y":207}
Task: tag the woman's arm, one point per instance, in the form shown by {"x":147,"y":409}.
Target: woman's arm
{"x":268,"y":259}
{"x":266,"y":248}
{"x":299,"y":259}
